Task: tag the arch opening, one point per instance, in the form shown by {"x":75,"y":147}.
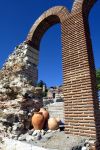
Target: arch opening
{"x":42,"y":28}
{"x":50,"y":17}
{"x":50,"y":57}
{"x":94,"y":30}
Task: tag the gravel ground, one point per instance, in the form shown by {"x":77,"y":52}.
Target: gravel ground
{"x":49,"y":141}
{"x":60,"y":141}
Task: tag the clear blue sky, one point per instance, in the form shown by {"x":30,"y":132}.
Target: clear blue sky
{"x":16,"y":18}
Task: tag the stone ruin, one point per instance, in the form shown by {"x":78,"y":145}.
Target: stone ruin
{"x":18,"y":98}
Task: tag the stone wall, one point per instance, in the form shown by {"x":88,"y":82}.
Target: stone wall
{"x":18,"y":96}
{"x":23,"y":64}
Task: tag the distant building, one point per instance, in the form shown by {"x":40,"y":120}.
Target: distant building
{"x":55,"y":92}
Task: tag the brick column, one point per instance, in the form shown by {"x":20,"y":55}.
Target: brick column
{"x":80,"y":93}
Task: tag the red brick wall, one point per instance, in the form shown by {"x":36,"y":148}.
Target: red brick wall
{"x":79,"y":80}
{"x":80,"y":94}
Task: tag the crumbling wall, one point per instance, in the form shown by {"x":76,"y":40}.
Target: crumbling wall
{"x":18,"y":95}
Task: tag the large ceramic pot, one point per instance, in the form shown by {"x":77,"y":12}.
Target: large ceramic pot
{"x":38,"y":121}
{"x":45,"y":113}
{"x":46,"y":116}
{"x":53,"y":124}
{"x":58,"y":120}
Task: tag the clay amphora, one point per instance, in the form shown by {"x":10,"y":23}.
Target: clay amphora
{"x":58,"y":120}
{"x":53,"y":124}
{"x":45,"y":113}
{"x":38,"y":121}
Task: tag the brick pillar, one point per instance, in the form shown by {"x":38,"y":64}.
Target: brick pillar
{"x":80,"y":93}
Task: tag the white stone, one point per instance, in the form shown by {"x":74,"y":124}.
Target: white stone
{"x":84,"y":148}
{"x":3,"y":90}
{"x":31,"y":60}
{"x":36,"y":132}
{"x":91,"y":141}
{"x":10,"y":144}
{"x":43,"y":132}
{"x":29,"y":138}
{"x":33,"y":49}
{"x":15,"y":127}
{"x":5,"y":110}
{"x":1,"y":86}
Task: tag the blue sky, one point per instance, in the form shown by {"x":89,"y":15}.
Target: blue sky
{"x":16,"y":19}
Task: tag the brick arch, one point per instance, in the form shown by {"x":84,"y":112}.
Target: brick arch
{"x":50,"y":17}
{"x":81,"y":105}
{"x":83,"y":5}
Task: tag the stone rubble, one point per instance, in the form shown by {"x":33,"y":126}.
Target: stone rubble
{"x":19,"y":98}
{"x":54,"y":140}
{"x":16,"y":145}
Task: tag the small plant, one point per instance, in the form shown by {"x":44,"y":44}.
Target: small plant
{"x":98,"y":78}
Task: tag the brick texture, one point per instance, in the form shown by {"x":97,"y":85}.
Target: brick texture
{"x":82,"y":115}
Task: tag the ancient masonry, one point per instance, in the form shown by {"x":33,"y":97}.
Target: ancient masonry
{"x":18,"y":96}
{"x":82,"y":115}
{"x":22,"y":62}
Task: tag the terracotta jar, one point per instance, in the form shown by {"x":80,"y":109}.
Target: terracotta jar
{"x":45,"y":113}
{"x":58,"y":120}
{"x":53,"y":124}
{"x":38,"y":121}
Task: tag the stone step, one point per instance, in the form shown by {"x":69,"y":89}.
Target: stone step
{"x":56,"y":104}
{"x":56,"y":108}
{"x":61,"y":115}
{"x":57,"y":115}
{"x":55,"y":112}
{"x":61,"y":107}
